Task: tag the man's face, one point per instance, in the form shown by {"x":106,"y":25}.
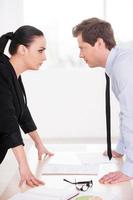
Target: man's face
{"x":88,"y":53}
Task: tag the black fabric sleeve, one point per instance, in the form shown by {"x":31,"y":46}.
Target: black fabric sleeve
{"x":27,"y":124}
{"x":10,"y":135}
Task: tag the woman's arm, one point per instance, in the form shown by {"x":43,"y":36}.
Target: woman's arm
{"x":39,"y":145}
{"x":25,"y":173}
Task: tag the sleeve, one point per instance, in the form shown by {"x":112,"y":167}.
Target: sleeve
{"x":120,"y":146}
{"x":10,"y":135}
{"x":126,"y":123}
{"x":27,"y":124}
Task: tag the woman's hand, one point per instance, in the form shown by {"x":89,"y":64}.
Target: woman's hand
{"x":25,"y":173}
{"x":39,"y":145}
{"x":27,"y":177}
{"x":42,"y":150}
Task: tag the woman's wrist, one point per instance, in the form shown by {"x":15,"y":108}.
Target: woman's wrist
{"x":20,"y":155}
{"x":36,"y":138}
{"x":23,"y":163}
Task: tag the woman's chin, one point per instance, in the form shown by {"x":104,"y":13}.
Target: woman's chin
{"x":37,"y":67}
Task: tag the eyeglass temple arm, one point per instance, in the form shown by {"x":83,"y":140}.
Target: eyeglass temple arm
{"x":68,"y":181}
{"x":80,"y":182}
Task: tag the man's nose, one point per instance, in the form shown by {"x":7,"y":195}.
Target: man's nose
{"x":81,"y":55}
{"x":44,"y":57}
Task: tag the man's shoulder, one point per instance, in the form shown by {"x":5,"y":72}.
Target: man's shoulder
{"x":124,"y":51}
{"x":123,"y":57}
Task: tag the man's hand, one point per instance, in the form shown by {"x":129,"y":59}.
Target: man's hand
{"x":114,"y":177}
{"x":114,"y":154}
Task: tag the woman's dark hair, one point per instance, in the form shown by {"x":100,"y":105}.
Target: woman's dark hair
{"x":94,"y":28}
{"x":23,"y":35}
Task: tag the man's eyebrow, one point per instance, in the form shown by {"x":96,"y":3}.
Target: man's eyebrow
{"x":43,"y":48}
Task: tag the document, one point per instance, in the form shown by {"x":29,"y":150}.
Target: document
{"x":70,"y":169}
{"x":45,"y":193}
{"x":72,"y":163}
{"x":94,"y":158}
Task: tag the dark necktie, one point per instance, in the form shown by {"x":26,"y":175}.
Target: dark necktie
{"x":108,"y":119}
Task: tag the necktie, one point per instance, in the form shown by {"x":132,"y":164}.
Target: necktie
{"x":108,"y":120}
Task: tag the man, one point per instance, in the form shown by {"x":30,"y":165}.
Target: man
{"x":98,"y":49}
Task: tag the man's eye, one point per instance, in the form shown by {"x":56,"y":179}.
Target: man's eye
{"x":40,"y":51}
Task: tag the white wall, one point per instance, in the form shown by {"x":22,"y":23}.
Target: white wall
{"x":65,"y":101}
{"x":11,"y":15}
{"x":69,"y":102}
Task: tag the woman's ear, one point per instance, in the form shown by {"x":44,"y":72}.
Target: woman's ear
{"x":22,"y":49}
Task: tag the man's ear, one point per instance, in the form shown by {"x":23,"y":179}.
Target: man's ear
{"x":100,"y":43}
{"x":22,"y":49}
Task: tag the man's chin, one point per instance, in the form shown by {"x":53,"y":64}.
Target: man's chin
{"x":91,"y":66}
{"x":38,"y":67}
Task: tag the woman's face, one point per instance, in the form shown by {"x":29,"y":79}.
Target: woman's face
{"x":35,"y":53}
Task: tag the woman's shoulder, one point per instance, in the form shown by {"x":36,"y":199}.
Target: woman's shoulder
{"x":4,"y":64}
{"x":5,"y":74}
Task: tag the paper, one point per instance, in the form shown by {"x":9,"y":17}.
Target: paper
{"x":94,"y":158}
{"x":63,"y":169}
{"x":75,"y":163}
{"x":64,"y":158}
{"x":45,"y":193}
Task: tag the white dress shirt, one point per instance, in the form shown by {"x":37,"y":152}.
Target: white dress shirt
{"x":119,"y":67}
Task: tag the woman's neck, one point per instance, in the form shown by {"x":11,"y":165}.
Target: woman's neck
{"x":18,"y":65}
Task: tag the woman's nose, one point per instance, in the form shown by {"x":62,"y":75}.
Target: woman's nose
{"x":44,"y":57}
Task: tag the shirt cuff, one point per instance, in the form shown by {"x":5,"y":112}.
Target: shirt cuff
{"x":28,"y":126}
{"x":120,"y":148}
{"x":128,"y":168}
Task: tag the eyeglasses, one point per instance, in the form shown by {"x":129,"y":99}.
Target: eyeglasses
{"x":82,"y":185}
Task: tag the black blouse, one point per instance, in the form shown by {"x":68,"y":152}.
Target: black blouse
{"x":14,"y":112}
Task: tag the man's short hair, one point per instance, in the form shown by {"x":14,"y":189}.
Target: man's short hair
{"x":93,"y":28}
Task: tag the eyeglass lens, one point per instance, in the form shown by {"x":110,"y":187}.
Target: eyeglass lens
{"x":82,"y":185}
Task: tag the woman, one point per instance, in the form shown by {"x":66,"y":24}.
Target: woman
{"x":27,"y":50}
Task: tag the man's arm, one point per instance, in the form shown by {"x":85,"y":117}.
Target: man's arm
{"x":126,"y":125}
{"x":120,"y":146}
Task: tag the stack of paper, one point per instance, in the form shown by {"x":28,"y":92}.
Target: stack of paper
{"x":70,"y":169}
{"x":45,"y":193}
{"x":75,"y":163}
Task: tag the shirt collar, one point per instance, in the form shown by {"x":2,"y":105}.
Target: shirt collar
{"x":110,"y":60}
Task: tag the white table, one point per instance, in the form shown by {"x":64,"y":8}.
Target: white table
{"x":122,"y":191}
